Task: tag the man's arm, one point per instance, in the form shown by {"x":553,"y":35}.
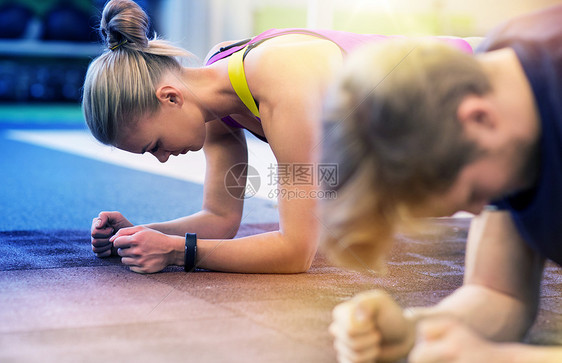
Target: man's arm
{"x":500,"y":294}
{"x":523,"y":353}
{"x":448,"y":340}
{"x":498,"y":300}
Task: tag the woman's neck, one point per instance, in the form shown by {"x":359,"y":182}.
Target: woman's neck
{"x":209,"y":87}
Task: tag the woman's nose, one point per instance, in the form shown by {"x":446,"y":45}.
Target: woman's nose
{"x":162,"y":156}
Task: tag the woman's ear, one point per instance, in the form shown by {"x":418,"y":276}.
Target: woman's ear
{"x":169,"y":96}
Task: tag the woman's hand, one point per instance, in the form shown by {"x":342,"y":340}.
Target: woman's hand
{"x":146,"y":250}
{"x":445,"y":339}
{"x":371,"y":327}
{"x":103,"y":227}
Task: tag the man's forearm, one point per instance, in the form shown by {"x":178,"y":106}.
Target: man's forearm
{"x":522,"y":353}
{"x":494,"y":315}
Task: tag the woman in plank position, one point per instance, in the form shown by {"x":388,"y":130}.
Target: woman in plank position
{"x":137,"y":97}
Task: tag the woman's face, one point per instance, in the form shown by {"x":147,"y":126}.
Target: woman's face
{"x":169,"y":131}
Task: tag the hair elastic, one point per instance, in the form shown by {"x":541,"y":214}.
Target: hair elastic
{"x":118,"y":45}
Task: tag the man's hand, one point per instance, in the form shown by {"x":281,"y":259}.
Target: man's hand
{"x":445,"y":339}
{"x":371,"y":327}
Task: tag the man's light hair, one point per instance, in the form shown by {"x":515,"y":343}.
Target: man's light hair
{"x":391,"y":126}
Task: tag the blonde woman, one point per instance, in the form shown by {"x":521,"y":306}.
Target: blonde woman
{"x":138,"y":98}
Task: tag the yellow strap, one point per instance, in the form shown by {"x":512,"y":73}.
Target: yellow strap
{"x":238,"y":80}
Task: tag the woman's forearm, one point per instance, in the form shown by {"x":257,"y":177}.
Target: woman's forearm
{"x":205,"y":224}
{"x":262,"y":253}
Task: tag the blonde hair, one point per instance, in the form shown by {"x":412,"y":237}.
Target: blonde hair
{"x":391,"y":127}
{"x":120,"y":83}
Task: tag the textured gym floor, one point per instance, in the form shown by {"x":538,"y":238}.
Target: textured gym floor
{"x":58,"y":302}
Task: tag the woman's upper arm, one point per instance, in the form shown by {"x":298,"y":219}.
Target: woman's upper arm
{"x":288,"y":83}
{"x":298,"y":183}
{"x":291,"y":113}
{"x":497,"y":257}
{"x":224,"y":148}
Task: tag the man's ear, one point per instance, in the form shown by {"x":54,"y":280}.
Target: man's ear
{"x":169,"y":96}
{"x":478,"y":116}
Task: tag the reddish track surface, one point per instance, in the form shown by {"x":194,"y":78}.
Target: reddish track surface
{"x":101,"y":311}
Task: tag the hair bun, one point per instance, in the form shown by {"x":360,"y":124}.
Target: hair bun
{"x":124,"y":23}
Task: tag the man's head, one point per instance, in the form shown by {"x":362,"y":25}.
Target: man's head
{"x":393,"y":127}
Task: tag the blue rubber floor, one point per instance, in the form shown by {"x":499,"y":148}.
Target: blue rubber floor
{"x":42,"y":189}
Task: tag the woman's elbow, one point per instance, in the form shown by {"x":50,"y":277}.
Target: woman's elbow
{"x":226,"y":227}
{"x":304,"y":265}
{"x":301,"y":258}
{"x":230,"y":229}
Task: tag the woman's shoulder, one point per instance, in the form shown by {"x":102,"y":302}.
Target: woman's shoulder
{"x":285,"y":72}
{"x":293,"y":49}
{"x":291,"y":56}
